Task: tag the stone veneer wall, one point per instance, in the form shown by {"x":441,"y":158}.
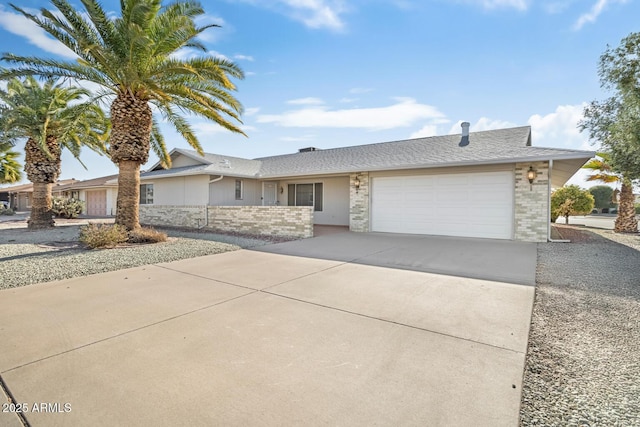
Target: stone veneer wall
{"x":289,"y":221}
{"x":173,"y":216}
{"x":359,"y":203}
{"x":532,"y":203}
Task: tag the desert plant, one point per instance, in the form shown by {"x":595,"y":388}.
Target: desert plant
{"x":67,"y":208}
{"x":97,"y":236}
{"x":570,"y":200}
{"x":6,"y":211}
{"x":146,"y":235}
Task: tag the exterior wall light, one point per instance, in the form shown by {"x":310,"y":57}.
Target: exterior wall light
{"x":356,"y":183}
{"x":531,"y":174}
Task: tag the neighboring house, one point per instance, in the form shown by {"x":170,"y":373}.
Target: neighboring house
{"x":472,"y":185}
{"x":99,"y":195}
{"x":20,"y":196}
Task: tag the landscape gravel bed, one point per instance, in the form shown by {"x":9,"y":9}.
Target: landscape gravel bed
{"x":582,"y":366}
{"x":28,"y":257}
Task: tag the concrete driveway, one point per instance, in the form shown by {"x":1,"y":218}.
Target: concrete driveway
{"x":257,"y":338}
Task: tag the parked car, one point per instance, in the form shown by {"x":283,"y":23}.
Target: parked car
{"x":594,"y":211}
{"x":605,"y":210}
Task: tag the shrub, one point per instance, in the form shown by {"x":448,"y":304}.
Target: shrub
{"x":103,"y":235}
{"x":6,"y":211}
{"x":638,"y":209}
{"x":66,"y":208}
{"x":570,"y":200}
{"x":146,"y":235}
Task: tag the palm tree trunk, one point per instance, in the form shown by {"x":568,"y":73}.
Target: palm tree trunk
{"x":42,"y":170}
{"x":41,"y":214}
{"x":128,"y":194}
{"x":626,"y":221}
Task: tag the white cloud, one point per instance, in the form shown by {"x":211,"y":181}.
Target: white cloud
{"x":494,"y":4}
{"x":316,"y":14}
{"x":19,"y":25}
{"x":426,"y":131}
{"x":218,"y":55}
{"x":405,"y":112}
{"x":251,"y":111}
{"x":306,"y":101}
{"x":243,"y":57}
{"x":560,"y":128}
{"x":302,"y":138}
{"x":484,"y":123}
{"x":593,"y":14}
{"x":212,"y":35}
{"x":348,"y":100}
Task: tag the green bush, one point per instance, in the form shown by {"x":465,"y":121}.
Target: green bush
{"x":146,"y":235}
{"x":638,"y":209}
{"x":6,"y":211}
{"x":570,"y":200}
{"x":67,"y":208}
{"x":103,"y":235}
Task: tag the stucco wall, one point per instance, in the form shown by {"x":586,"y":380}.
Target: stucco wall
{"x":293,"y":221}
{"x":223,"y":192}
{"x":181,"y":190}
{"x":532,"y":203}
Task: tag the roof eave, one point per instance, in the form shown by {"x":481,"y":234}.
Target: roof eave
{"x":538,"y":158}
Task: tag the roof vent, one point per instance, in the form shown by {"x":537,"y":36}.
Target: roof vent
{"x":307,"y":149}
{"x":464,"y":141}
{"x":225,"y":163}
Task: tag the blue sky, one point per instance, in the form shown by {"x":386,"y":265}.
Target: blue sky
{"x":331,"y":73}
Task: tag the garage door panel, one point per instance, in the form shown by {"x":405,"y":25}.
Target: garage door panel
{"x":470,"y":204}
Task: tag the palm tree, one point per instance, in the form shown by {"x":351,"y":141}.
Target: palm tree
{"x":9,"y":166}
{"x":51,"y":117}
{"x":626,"y":221}
{"x":134,"y":58}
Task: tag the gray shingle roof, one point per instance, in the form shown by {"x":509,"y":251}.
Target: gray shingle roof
{"x":485,"y":147}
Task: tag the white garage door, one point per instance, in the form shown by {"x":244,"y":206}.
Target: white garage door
{"x":466,"y":204}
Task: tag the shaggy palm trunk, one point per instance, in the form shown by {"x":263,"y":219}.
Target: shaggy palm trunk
{"x":43,"y":171}
{"x":626,"y":221}
{"x":131,"y":121}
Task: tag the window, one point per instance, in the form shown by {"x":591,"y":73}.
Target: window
{"x":146,"y":194}
{"x":305,"y":195}
{"x":239,"y":189}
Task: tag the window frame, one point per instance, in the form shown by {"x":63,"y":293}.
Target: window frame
{"x":316,"y":203}
{"x":241,"y":195}
{"x":145,"y":200}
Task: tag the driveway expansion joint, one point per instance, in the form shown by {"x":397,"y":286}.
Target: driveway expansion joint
{"x":20,"y":415}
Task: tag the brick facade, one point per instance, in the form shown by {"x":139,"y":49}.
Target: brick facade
{"x":173,"y":216}
{"x":359,"y":203}
{"x":531,"y":203}
{"x":286,"y":221}
{"x":289,"y":221}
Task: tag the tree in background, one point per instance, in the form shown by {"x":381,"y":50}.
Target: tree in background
{"x":570,"y":200}
{"x":602,"y":195}
{"x":134,"y":58}
{"x":50,"y":117}
{"x":615,"y":122}
{"x":9,"y":166}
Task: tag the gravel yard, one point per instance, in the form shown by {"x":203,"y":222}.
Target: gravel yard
{"x":582,"y":364}
{"x":28,"y":257}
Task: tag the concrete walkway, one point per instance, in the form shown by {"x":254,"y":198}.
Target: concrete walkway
{"x":252,"y":338}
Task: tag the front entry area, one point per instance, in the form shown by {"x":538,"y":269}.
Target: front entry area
{"x":478,"y":204}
